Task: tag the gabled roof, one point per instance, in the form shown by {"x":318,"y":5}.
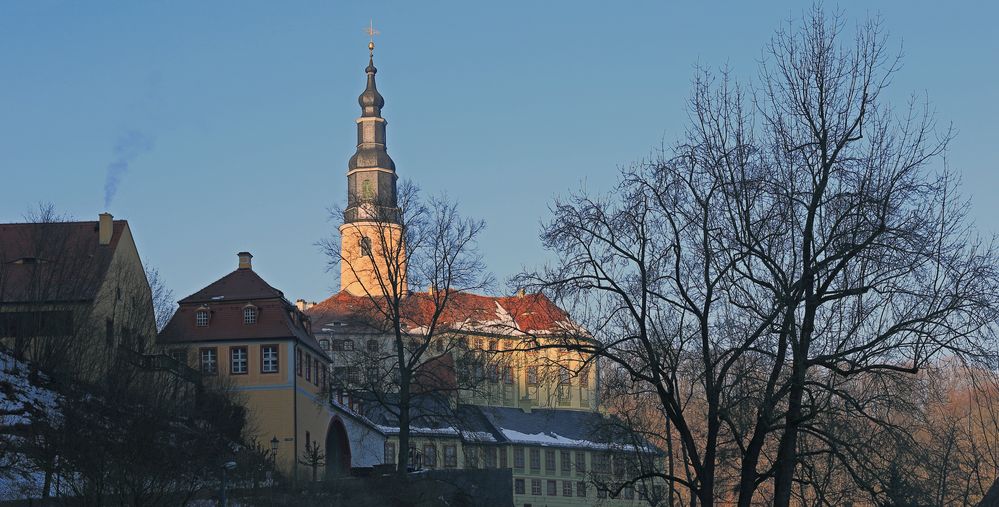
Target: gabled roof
{"x":531,"y":314}
{"x":225,"y":298}
{"x":55,"y":261}
{"x":241,"y":285}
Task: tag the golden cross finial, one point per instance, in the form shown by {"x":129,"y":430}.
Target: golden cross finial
{"x":370,"y":30}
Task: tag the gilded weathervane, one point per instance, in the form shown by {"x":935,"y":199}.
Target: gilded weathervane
{"x":370,"y":30}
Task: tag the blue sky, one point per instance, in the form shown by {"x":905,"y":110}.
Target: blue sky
{"x":237,"y":117}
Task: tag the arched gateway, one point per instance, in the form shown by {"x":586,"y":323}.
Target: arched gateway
{"x":337,"y":449}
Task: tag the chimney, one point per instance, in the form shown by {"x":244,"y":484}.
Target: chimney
{"x":105,"y":228}
{"x":244,"y":260}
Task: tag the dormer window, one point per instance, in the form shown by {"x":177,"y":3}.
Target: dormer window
{"x":201,"y":318}
{"x":249,"y":314}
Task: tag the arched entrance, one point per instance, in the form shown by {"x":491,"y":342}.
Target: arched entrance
{"x":337,"y":450}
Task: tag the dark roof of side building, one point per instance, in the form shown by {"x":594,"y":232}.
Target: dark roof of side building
{"x":54,"y":261}
{"x":575,"y":429}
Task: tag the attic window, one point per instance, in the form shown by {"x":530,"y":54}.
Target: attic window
{"x":249,"y":314}
{"x":201,"y":318}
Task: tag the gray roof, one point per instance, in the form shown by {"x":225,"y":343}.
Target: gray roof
{"x":576,"y":429}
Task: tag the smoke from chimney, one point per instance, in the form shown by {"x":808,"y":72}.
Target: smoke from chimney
{"x":129,"y":145}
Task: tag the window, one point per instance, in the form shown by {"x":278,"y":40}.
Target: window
{"x":308,"y":366}
{"x":502,"y":458}
{"x":489,"y":456}
{"x":268,"y":359}
{"x":536,"y":487}
{"x":471,"y":457}
{"x":209,"y":361}
{"x":324,"y":344}
{"x":581,"y":489}
{"x":620,"y":466}
{"x":535,"y":459}
{"x":201,"y":318}
{"x":315,"y":366}
{"x":550,"y":460}
{"x":584,"y":377}
{"x":601,"y":464}
{"x":180,"y":356}
{"x":601,"y":493}
{"x":298,"y":362}
{"x":493,"y":345}
{"x":564,"y":377}
{"x":238,"y":362}
{"x":629,"y":493}
{"x":250,"y":315}
{"x":371,"y":374}
{"x":518,"y":486}
{"x":580,"y":462}
{"x":566,"y":488}
{"x":494,"y":373}
{"x":552,"y":488}
{"x":564,"y":463}
{"x":348,"y":345}
{"x":532,"y":375}
{"x":389,"y":453}
{"x":518,"y":457}
{"x":450,"y":456}
{"x":429,"y":455}
{"x":508,"y":375}
{"x":373,"y":346}
{"x":365,"y":246}
{"x":354,"y":375}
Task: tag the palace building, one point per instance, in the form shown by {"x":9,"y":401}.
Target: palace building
{"x":487,"y":393}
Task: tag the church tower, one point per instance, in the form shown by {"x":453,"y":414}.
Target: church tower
{"x":372,"y":246}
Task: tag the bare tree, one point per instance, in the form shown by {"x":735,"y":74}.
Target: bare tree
{"x":314,"y":458}
{"x":771,"y":274}
{"x":421,"y":243}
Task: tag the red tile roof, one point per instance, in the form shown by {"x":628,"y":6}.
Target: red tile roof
{"x":507,"y":315}
{"x":57,"y":261}
{"x":241,"y":284}
{"x":277,"y":319}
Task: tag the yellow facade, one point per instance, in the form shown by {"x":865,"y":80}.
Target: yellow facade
{"x":284,"y":406}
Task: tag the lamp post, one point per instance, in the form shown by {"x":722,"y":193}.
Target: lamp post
{"x":228,"y":465}
{"x":270,"y":473}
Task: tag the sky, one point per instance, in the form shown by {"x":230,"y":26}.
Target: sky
{"x":227,"y":125}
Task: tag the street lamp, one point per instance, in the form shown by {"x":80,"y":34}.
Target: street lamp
{"x":228,"y":465}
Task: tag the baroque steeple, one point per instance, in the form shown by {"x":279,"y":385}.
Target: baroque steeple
{"x":372,"y":236}
{"x":371,"y":177}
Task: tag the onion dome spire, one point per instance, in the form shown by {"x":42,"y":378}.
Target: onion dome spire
{"x":371,"y":101}
{"x":371,"y":177}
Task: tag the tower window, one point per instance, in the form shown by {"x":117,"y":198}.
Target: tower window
{"x":201,"y":318}
{"x":250,"y":315}
{"x":365,"y":245}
